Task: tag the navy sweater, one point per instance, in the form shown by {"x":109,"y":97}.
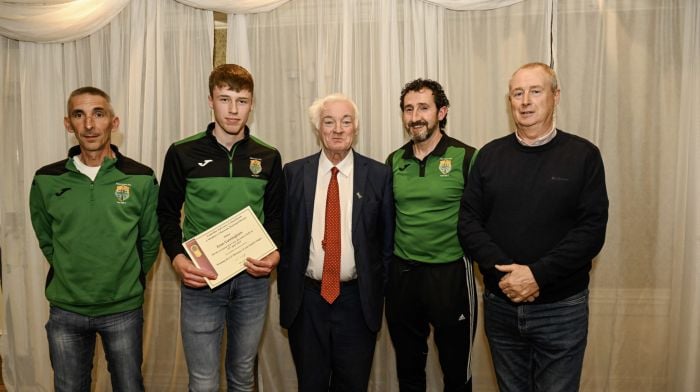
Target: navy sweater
{"x":545,"y":207}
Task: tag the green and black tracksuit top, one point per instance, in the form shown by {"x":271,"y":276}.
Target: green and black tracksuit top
{"x":427,"y":196}
{"x":214,"y":183}
{"x":100,"y":237}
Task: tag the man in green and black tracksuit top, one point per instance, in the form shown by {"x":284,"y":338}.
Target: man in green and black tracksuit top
{"x":216,"y":173}
{"x":430,"y":280}
{"x":94,"y":217}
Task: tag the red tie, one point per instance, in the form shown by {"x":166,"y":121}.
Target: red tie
{"x":330,"y":282}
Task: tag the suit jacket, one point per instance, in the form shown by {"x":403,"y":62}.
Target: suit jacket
{"x":372,"y":234}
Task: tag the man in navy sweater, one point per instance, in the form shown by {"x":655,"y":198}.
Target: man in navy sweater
{"x":533,"y":216}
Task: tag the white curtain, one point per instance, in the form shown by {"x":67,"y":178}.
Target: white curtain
{"x":621,"y":89}
{"x":684,"y":362}
{"x":153,"y":59}
{"x":629,"y":70}
{"x":622,"y":65}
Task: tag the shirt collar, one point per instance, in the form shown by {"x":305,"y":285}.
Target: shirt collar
{"x":344,"y":166}
{"x":540,"y":141}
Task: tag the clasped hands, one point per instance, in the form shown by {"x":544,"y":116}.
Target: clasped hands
{"x":194,"y":277}
{"x":518,"y":283}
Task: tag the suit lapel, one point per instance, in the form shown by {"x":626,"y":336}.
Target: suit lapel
{"x":310,"y":177}
{"x":358,"y":189}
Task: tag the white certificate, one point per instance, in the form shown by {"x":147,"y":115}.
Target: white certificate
{"x":223,"y":248}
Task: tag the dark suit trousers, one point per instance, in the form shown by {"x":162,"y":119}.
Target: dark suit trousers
{"x":331,"y":344}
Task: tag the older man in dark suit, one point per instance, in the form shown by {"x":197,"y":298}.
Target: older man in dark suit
{"x":338,"y":239}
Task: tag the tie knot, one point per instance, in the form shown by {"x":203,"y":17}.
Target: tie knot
{"x":334,"y":171}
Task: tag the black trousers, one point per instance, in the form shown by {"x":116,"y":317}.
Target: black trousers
{"x":331,"y":345}
{"x":420,"y":295}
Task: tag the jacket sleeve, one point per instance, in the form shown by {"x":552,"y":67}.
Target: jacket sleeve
{"x":274,"y":202}
{"x":474,"y":209}
{"x":41,"y":221}
{"x":285,"y":251}
{"x":149,"y":237}
{"x":388,"y":221}
{"x":171,"y":196}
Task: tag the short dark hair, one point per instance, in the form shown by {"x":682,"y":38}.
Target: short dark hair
{"x":438,"y":93}
{"x":232,"y":76}
{"x":89,"y":90}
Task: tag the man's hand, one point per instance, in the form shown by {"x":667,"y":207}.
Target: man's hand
{"x":191,"y":275}
{"x":264,"y":266}
{"x":518,"y":284}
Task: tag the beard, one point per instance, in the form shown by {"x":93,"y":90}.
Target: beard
{"x":422,"y":134}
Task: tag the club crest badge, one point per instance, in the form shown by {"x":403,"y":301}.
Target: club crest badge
{"x":445,"y":166}
{"x":122,"y":192}
{"x":255,"y":166}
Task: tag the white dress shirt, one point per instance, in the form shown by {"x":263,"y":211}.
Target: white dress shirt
{"x":347,"y":252}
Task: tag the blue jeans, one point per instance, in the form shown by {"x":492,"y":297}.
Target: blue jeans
{"x":239,"y":304}
{"x":537,"y":347}
{"x":72,"y":347}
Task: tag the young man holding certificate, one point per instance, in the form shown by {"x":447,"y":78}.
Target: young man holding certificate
{"x":217,"y":173}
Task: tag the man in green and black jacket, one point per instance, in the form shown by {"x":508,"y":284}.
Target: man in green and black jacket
{"x":431,"y":282}
{"x":216,"y":173}
{"x":94,"y":216}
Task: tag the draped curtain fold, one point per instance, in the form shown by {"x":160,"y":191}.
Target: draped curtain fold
{"x":46,"y":21}
{"x":473,"y":5}
{"x":629,"y":73}
{"x":684,"y":348}
{"x":238,"y":7}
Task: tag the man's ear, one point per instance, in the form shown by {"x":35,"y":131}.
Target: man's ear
{"x":115,"y":123}
{"x":442,"y":113}
{"x":66,"y":124}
